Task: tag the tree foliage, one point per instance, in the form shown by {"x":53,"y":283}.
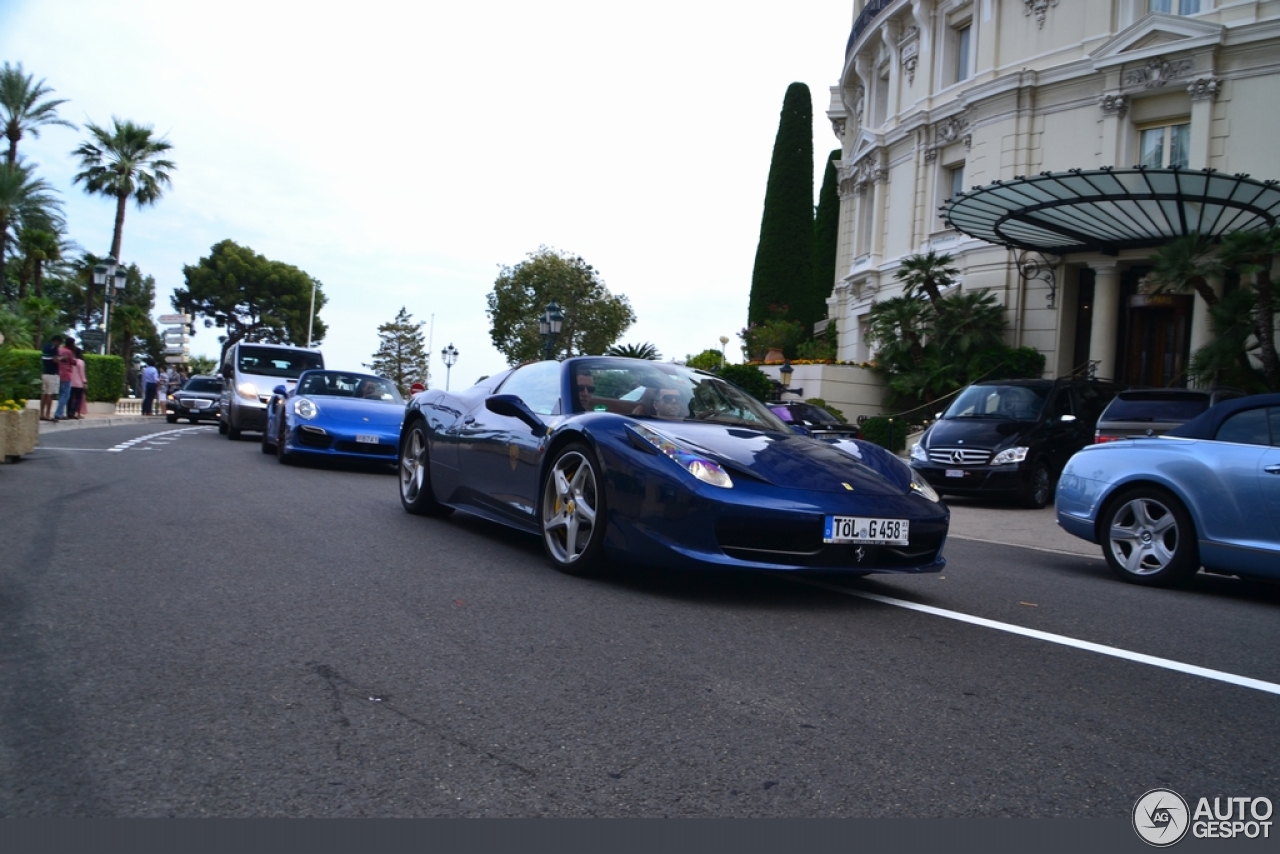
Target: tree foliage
{"x":707,"y":360}
{"x":750,"y":379}
{"x":252,"y":297}
{"x":24,"y":109}
{"x":643,"y":350}
{"x":593,"y":318}
{"x":401,"y":356}
{"x":826,"y":242}
{"x":26,"y":201}
{"x":122,"y":163}
{"x":783,"y":270}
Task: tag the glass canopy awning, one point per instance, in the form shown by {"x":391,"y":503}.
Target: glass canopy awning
{"x":1106,"y":210}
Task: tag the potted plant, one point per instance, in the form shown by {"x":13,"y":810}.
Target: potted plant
{"x":19,"y":426}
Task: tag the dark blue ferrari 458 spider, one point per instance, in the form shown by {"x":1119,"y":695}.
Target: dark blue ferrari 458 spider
{"x":334,"y":414}
{"x":656,"y":463}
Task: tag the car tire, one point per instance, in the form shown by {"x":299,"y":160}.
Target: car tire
{"x":573,"y":511}
{"x":415,"y":473}
{"x":268,"y":446}
{"x":172,"y":419}
{"x":233,"y":432}
{"x":194,"y":420}
{"x":1038,"y":491}
{"x":1148,"y":538}
{"x":222,"y":427}
{"x":282,"y":449}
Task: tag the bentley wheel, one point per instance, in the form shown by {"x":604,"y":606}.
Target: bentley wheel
{"x":1148,"y":538}
{"x":415,"y":474}
{"x":573,"y":512}
{"x":1039,"y":489}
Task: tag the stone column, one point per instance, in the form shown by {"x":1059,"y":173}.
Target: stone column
{"x":1201,"y":329}
{"x":1106,"y":314}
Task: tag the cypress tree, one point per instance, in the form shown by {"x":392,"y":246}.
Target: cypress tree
{"x":826,"y":234}
{"x":783,"y":272}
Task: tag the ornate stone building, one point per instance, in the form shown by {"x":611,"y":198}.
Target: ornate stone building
{"x":938,"y":97}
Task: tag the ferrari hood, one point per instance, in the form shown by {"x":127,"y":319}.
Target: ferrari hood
{"x":796,"y":462}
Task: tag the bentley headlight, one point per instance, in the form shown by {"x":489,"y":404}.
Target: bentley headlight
{"x":706,"y":470}
{"x":304,"y":408}
{"x":247,"y":390}
{"x":1009,"y":456}
{"x":921,"y":487}
{"x":918,"y":454}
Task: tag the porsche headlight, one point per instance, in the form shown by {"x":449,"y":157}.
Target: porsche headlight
{"x":918,"y":454}
{"x":1010,"y":456}
{"x":706,"y":470}
{"x":247,"y":390}
{"x":304,"y":408}
{"x":921,"y":487}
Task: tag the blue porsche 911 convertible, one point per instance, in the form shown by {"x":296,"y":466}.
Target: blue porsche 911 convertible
{"x":334,"y":414}
{"x":655,"y":463}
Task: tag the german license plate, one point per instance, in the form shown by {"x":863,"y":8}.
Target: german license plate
{"x":862,"y":529}
{"x":368,"y":440}
{"x":955,"y":472}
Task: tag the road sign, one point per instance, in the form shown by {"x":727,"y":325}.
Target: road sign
{"x":92,"y":339}
{"x":175,"y":338}
{"x":175,"y":360}
{"x":175,"y":318}
{"x":174,"y":350}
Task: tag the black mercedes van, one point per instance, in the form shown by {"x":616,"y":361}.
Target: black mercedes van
{"x":1010,"y":438}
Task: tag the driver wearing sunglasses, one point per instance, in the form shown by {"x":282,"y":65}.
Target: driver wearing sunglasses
{"x":586,"y":388}
{"x":667,"y":404}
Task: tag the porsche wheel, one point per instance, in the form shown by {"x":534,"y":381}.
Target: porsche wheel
{"x":415,"y":474}
{"x":1039,"y":489}
{"x":282,"y":450}
{"x":573,"y":512}
{"x":1148,"y":538}
{"x":268,"y":447}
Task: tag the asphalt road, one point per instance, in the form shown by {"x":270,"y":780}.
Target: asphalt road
{"x":191,"y":629}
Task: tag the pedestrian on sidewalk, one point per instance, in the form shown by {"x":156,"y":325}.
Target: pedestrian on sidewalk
{"x":66,"y":365}
{"x":150,"y":379}
{"x":77,"y":406}
{"x":49,"y":377}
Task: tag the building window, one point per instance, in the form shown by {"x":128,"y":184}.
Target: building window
{"x":1165,"y":146}
{"x":955,"y":180}
{"x":1175,"y":7}
{"x":963,"y":34}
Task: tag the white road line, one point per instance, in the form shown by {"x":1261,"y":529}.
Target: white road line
{"x":1101,"y":649}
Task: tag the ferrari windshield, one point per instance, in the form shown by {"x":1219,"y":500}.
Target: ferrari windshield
{"x":665,"y":391}
{"x":1012,"y":402}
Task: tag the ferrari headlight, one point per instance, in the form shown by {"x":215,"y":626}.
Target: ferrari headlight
{"x":247,"y":390}
{"x":921,"y":487}
{"x":1010,"y":456}
{"x":918,"y":454}
{"x":706,"y":470}
{"x":304,"y":408}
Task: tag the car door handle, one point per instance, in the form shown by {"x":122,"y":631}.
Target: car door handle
{"x":1272,"y":469}
{"x":468,"y":421}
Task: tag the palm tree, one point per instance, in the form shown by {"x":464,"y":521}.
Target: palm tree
{"x":122,"y":163}
{"x":24,"y":200}
{"x":970,"y":321}
{"x":929,"y":273}
{"x":1251,"y":253}
{"x":1182,"y":262}
{"x":635,"y":351}
{"x":21,"y":109}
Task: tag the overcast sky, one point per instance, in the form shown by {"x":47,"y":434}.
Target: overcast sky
{"x":401,"y":153}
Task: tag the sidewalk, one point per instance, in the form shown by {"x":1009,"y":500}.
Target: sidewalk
{"x":97,"y":420}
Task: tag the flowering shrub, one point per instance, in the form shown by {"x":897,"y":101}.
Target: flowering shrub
{"x":18,"y":380}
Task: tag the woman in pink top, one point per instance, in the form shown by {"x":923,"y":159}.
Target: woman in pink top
{"x":77,"y":406}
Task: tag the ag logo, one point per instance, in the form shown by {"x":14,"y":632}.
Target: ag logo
{"x":1161,"y":817}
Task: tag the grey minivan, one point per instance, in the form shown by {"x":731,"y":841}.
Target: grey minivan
{"x":249,"y":372}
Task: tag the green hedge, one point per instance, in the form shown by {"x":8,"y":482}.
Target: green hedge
{"x":104,"y":375}
{"x":886,"y":431}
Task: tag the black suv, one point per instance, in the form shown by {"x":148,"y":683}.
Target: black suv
{"x":199,"y":398}
{"x":1010,"y":437}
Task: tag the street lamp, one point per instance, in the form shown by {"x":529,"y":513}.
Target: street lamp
{"x":724,"y":342}
{"x":549,"y":326}
{"x":450,"y":355}
{"x":104,"y":274}
{"x":785,"y":372}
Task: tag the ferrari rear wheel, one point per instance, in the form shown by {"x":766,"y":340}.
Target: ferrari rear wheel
{"x":573,"y":512}
{"x":415,"y":474}
{"x":1148,"y":538}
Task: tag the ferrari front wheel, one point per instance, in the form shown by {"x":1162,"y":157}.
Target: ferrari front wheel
{"x":573,"y":512}
{"x":415,"y":474}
